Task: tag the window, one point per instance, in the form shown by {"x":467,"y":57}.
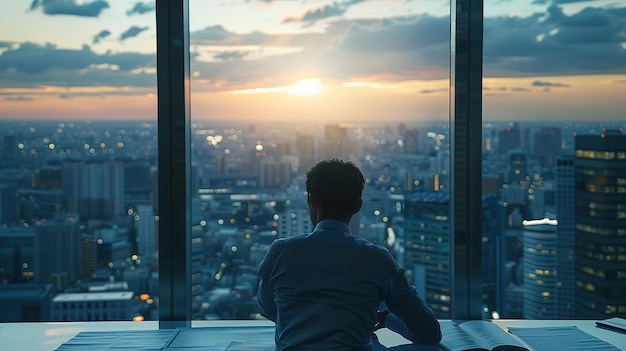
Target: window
{"x":550,"y":156}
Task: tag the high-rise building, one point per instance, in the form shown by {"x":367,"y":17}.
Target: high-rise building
{"x":600,"y":225}
{"x":335,"y":143}
{"x":275,"y":174}
{"x":547,"y":146}
{"x":517,"y":169}
{"x":146,"y":226}
{"x":564,"y":203}
{"x":540,"y":269}
{"x":427,"y":248}
{"x":306,"y":152}
{"x":56,"y":251}
{"x":410,"y":141}
{"x":8,"y":203}
{"x":509,"y":138}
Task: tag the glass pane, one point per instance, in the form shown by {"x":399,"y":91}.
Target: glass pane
{"x":280,"y":85}
{"x":553,"y":119}
{"x":78,"y":161}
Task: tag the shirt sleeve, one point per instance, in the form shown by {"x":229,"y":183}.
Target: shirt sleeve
{"x":420,"y":324}
{"x":265,"y":294}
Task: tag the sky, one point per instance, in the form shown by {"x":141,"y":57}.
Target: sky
{"x":320,"y":60}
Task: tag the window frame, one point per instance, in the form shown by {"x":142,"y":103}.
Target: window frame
{"x":174,"y":142}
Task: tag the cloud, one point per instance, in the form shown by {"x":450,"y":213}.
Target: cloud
{"x":555,"y":43}
{"x":32,"y":62}
{"x":103,"y":34}
{"x":141,"y":8}
{"x":131,"y":32}
{"x":231,"y":55}
{"x":431,"y":91}
{"x":70,"y":7}
{"x":539,"y":83}
{"x":518,"y":89}
{"x":18,"y":98}
{"x":314,"y":15}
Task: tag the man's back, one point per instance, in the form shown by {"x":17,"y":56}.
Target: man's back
{"x":327,"y":287}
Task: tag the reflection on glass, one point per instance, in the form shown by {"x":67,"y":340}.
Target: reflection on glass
{"x":77,"y":161}
{"x":553,"y":123}
{"x":280,"y":85}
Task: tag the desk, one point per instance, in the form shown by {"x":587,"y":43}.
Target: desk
{"x":49,"y":336}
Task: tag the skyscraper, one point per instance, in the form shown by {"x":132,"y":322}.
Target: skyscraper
{"x":56,"y":251}
{"x":600,"y":166}
{"x":540,"y":269}
{"x":564,"y":201}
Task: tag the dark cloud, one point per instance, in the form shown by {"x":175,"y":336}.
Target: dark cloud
{"x":18,"y":98}
{"x":70,"y":7}
{"x":231,"y":55}
{"x":132,"y":32}
{"x":314,"y":15}
{"x":103,"y":34}
{"x":141,"y":8}
{"x":539,"y":83}
{"x":555,"y":43}
{"x":217,"y":35}
{"x":5,"y":44}
{"x":32,"y":59}
{"x":518,"y":89}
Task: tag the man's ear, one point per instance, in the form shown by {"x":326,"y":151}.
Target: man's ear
{"x":357,"y":208}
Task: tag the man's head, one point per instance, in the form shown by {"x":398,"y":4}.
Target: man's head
{"x":334,"y":190}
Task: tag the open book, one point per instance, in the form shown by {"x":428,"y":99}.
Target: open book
{"x":478,"y":335}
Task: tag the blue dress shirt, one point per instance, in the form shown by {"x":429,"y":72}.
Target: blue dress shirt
{"x":323,"y":289}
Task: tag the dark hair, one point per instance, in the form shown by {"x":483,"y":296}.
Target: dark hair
{"x":337,"y":185}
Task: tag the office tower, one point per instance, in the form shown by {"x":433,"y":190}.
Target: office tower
{"x":306,"y":152}
{"x":146,"y":226}
{"x":565,"y":202}
{"x":274,"y":174}
{"x":547,"y":146}
{"x":8,"y":203}
{"x":410,"y":141}
{"x":51,"y":177}
{"x":56,"y":251}
{"x":517,"y":172}
{"x":94,"y":190}
{"x":16,"y":254}
{"x":335,"y":143}
{"x":9,"y":143}
{"x":540,"y":281}
{"x":87,"y":255}
{"x":600,"y":225}
{"x":427,"y":248}
{"x":137,"y":183}
{"x":509,"y":138}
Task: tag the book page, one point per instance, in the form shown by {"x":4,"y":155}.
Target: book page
{"x":457,"y":339}
{"x":491,"y":336}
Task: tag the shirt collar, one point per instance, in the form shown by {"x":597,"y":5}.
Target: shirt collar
{"x":332,"y":224}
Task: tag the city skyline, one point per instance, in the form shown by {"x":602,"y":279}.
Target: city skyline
{"x":314,"y":60}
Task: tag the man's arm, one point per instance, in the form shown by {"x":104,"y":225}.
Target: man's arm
{"x":420,"y":324}
{"x":265,"y":294}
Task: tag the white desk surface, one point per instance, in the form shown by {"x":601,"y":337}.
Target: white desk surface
{"x":47,"y":336}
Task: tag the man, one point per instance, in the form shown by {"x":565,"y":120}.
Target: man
{"x":323,"y":288}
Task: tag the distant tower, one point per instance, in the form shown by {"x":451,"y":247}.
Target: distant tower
{"x":410,"y":141}
{"x":427,"y":248}
{"x":8,"y":203}
{"x":305,"y":151}
{"x":275,"y":174}
{"x":509,"y":138}
{"x":600,"y":165}
{"x":565,"y":202}
{"x":57,"y":251}
{"x":335,"y":143}
{"x":547,"y":146}
{"x":517,"y":172}
{"x":146,"y":225}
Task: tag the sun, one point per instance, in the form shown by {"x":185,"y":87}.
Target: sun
{"x":307,"y":87}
